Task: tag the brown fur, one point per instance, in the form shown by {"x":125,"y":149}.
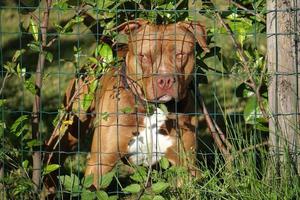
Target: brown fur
{"x":155,"y":51}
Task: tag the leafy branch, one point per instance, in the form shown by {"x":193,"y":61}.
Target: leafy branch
{"x":256,"y":87}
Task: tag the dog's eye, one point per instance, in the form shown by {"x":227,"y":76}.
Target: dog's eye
{"x":180,"y":55}
{"x":143,"y":57}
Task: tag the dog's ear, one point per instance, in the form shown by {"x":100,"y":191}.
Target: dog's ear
{"x":198,"y":30}
{"x":131,"y":26}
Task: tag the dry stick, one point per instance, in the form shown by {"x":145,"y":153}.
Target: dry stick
{"x":55,"y":132}
{"x":215,"y":134}
{"x":265,"y":143}
{"x":36,"y":156}
{"x":222,"y":136}
{"x":243,"y":58}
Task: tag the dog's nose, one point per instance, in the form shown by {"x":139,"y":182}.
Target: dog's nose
{"x":165,"y":82}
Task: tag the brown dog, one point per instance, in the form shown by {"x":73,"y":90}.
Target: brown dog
{"x":158,"y":69}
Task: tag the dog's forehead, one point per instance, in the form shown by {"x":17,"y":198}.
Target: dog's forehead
{"x":172,"y":33}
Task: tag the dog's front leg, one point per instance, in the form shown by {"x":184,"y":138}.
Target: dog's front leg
{"x":108,"y":146}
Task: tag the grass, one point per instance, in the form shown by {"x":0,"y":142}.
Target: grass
{"x":252,"y":175}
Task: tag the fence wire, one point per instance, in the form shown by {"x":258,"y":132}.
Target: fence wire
{"x":56,"y":57}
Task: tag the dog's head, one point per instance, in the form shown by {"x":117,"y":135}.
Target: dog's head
{"x":160,"y":58}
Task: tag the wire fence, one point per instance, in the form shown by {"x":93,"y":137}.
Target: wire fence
{"x":155,"y":99}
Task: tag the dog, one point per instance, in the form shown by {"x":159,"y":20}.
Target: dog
{"x":158,"y":69}
{"x":124,"y":115}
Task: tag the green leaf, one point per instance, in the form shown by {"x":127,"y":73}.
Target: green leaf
{"x":133,"y":188}
{"x":2,"y":128}
{"x":121,"y":38}
{"x":106,"y":179}
{"x":102,"y":195}
{"x":50,"y":168}
{"x":34,"y":29}
{"x":93,"y":86}
{"x":17,"y":54}
{"x":168,"y":6}
{"x":159,"y":187}
{"x":68,"y":27}
{"x":34,"y":46}
{"x":146,"y":197}
{"x":164,"y":163}
{"x":61,"y":5}
{"x":71,"y":183}
{"x":164,"y":108}
{"x":195,"y":5}
{"x":18,"y":126}
{"x":113,"y":197}
{"x":105,"y":115}
{"x":20,"y":71}
{"x":30,"y":85}
{"x":75,"y":2}
{"x":2,"y":102}
{"x":34,"y":143}
{"x":140,"y":174}
{"x":104,"y":4}
{"x":252,"y":112}
{"x":10,"y":67}
{"x":240,"y":26}
{"x":261,"y":127}
{"x":158,"y":197}
{"x":49,"y":57}
{"x":105,"y":52}
{"x":126,"y":110}
{"x":88,"y":181}
{"x":150,"y":108}
{"x":87,"y":195}
{"x":25,"y":164}
{"x":93,"y":60}
{"x":87,"y":101}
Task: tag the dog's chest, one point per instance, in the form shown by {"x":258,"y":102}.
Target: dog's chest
{"x":150,"y":145}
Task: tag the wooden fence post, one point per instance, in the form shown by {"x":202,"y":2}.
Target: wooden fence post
{"x":283,"y":26}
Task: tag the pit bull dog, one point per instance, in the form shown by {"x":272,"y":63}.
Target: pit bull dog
{"x":158,"y":69}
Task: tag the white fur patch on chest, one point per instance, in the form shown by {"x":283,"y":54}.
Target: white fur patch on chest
{"x":150,"y":145}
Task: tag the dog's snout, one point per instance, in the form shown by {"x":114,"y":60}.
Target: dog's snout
{"x":165,"y":82}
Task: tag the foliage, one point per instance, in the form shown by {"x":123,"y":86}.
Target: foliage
{"x":237,"y":55}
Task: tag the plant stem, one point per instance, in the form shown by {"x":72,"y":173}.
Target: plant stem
{"x":244,"y":61}
{"x":35,"y":117}
{"x":247,"y":10}
{"x":1,"y":178}
{"x":4,"y":81}
{"x":218,"y":137}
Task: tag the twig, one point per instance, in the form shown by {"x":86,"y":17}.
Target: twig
{"x":265,"y":143}
{"x":56,"y":132}
{"x":34,"y":17}
{"x":236,"y":45}
{"x":257,"y":92}
{"x":36,"y":156}
{"x":247,"y":10}
{"x":215,"y":134}
{"x":4,"y":82}
{"x":1,"y":176}
{"x":49,"y":44}
{"x":178,"y":3}
{"x":223,"y":137}
{"x":141,"y":6}
{"x":252,"y":83}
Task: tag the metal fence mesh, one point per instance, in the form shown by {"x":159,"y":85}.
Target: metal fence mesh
{"x":252,"y":102}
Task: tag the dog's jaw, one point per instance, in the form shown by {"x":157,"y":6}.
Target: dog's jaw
{"x":165,"y":98}
{"x":150,"y":145}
